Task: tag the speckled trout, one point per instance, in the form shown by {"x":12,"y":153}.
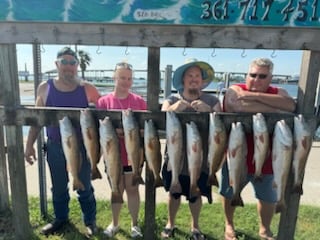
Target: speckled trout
{"x":111,"y":155}
{"x":281,"y":160}
{"x":91,"y":141}
{"x":71,"y":151}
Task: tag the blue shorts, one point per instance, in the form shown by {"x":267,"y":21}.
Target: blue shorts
{"x":185,"y":184}
{"x":263,"y":189}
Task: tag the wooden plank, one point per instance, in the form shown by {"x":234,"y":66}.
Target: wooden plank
{"x":153,"y":89}
{"x":4,"y":191}
{"x":46,"y":116}
{"x":157,"y":35}
{"x":309,"y":75}
{"x":14,"y":140}
{"x":310,"y":68}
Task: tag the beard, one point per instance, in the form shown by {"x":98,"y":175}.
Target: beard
{"x":194,"y":91}
{"x":70,"y":77}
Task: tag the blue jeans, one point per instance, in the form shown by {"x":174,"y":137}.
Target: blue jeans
{"x":60,"y":189}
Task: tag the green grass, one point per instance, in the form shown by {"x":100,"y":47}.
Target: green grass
{"x":211,"y":221}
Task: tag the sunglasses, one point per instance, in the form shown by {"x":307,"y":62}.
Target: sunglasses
{"x":66,"y":62}
{"x":261,"y":76}
{"x":123,"y":65}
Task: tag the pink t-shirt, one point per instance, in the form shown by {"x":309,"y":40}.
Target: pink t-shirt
{"x":133,"y":101}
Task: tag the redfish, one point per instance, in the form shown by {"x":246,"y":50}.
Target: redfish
{"x":302,"y":145}
{"x":91,"y":141}
{"x":111,"y":155}
{"x":153,"y":151}
{"x":237,"y":161}
{"x":174,"y":150}
{"x":71,"y":151}
{"x":281,"y":160}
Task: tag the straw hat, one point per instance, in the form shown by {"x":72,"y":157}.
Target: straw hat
{"x":206,"y":69}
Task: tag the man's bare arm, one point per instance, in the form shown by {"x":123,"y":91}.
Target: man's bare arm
{"x":238,"y":100}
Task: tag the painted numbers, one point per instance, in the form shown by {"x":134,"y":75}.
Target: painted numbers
{"x":260,"y":10}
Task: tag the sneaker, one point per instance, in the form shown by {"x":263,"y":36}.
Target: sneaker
{"x":53,"y":227}
{"x":136,"y":232}
{"x":111,"y":230}
{"x":91,"y":230}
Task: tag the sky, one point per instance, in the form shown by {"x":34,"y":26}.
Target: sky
{"x":286,"y":62}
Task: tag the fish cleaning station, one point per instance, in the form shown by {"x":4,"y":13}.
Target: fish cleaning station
{"x":211,"y":24}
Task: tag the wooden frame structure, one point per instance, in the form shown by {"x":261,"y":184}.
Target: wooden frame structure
{"x":154,"y":37}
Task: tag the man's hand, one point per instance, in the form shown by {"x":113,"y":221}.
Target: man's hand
{"x":200,"y":106}
{"x":30,"y":155}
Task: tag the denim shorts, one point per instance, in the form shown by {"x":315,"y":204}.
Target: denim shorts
{"x":264,"y":189}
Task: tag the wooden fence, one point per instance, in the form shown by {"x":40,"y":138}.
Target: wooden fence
{"x":13,"y":116}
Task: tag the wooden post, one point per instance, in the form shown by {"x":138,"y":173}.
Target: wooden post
{"x":4,"y":191}
{"x":310,"y":68}
{"x":153,"y":89}
{"x":14,"y":138}
{"x":167,"y":81}
{"x":41,"y":154}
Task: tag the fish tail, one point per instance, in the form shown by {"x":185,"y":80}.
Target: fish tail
{"x":280,"y":206}
{"x":194,"y":191}
{"x":95,"y":174}
{"x":257,"y":178}
{"x":78,"y":185}
{"x":116,"y":197}
{"x":297,"y":188}
{"x":137,"y":179}
{"x":237,"y":201}
{"x":158,"y":182}
{"x":212,"y":180}
{"x":175,"y":188}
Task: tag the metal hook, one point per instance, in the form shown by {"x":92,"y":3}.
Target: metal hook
{"x":42,"y":49}
{"x":98,"y":50}
{"x":184,"y":52}
{"x":243,"y":54}
{"x":273,"y":54}
{"x":126,"y":52}
{"x":213,"y":53}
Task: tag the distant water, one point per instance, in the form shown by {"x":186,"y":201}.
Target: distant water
{"x":140,"y":87}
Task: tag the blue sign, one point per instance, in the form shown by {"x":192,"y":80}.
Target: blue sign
{"x":292,"y":13}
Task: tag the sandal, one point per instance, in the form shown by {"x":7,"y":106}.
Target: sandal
{"x":197,"y":235}
{"x":168,"y":232}
{"x":267,"y":237}
{"x":230,"y":236}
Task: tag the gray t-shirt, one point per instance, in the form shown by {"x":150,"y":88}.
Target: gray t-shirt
{"x":211,"y":101}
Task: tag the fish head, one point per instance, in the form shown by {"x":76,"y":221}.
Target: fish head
{"x":149,"y":129}
{"x":301,"y":127}
{"x":106,"y":129}
{"x":192,"y":131}
{"x":86,"y":118}
{"x":65,"y":125}
{"x":259,"y":123}
{"x":283,"y":132}
{"x":128,"y":120}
